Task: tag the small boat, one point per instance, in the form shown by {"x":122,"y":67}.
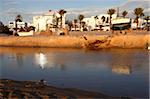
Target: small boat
{"x":25,"y":33}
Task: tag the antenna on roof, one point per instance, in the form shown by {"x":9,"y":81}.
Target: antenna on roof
{"x":117,"y":11}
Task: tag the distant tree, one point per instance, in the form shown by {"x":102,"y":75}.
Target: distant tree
{"x":103,"y":19}
{"x":4,"y":29}
{"x":67,"y":21}
{"x":1,"y":27}
{"x":75,"y":23}
{"x":1,"y":23}
{"x":96,"y":18}
{"x":70,"y":25}
{"x":62,"y":12}
{"x":18,"y":18}
{"x":80,"y":17}
{"x":138,"y":12}
{"x":147,"y":18}
{"x":111,"y":12}
{"x":124,"y":13}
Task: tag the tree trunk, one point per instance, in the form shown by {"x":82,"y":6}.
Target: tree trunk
{"x":57,"y":22}
{"x":110,"y":22}
{"x":80,"y":25}
{"x":137,"y":22}
{"x":75,"y":26}
{"x":61,"y":21}
{"x":15,"y":28}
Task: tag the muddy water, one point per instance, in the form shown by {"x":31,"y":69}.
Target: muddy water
{"x":117,"y":72}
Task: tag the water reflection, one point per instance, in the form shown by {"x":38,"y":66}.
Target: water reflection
{"x":48,"y":61}
{"x":126,"y":70}
{"x":41,"y":60}
{"x":103,"y":70}
{"x":122,"y":62}
{"x":19,"y":59}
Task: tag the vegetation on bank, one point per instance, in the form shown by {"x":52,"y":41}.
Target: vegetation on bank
{"x":5,"y":29}
{"x":91,"y":41}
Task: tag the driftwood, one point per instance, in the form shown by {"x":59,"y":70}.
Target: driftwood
{"x":96,"y":44}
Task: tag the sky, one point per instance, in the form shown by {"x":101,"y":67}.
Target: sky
{"x":29,"y":8}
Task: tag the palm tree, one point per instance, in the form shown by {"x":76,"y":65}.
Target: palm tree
{"x":75,"y":23}
{"x":1,"y":27}
{"x":96,"y":17}
{"x":80,"y":17}
{"x":111,"y":12}
{"x":62,"y":12}
{"x":124,"y":13}
{"x":18,"y":18}
{"x":138,"y":12}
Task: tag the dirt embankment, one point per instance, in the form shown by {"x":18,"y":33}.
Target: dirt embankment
{"x":10,"y":89}
{"x":119,"y":41}
{"x":87,"y":41}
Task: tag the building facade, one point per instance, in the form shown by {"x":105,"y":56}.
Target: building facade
{"x":50,"y":19}
{"x":94,"y":22}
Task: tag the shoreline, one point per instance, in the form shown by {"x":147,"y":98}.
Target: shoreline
{"x":91,"y":41}
{"x":38,"y":89}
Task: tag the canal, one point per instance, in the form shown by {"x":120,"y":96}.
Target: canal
{"x":116,"y":72}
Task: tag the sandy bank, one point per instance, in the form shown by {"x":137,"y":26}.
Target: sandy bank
{"x":10,"y":89}
{"x":105,"y":41}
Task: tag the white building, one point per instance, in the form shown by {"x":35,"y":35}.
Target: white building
{"x":134,"y":24}
{"x":48,"y":19}
{"x":12,"y":24}
{"x":94,"y":23}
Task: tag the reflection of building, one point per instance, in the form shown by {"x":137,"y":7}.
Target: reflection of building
{"x":121,"y":69}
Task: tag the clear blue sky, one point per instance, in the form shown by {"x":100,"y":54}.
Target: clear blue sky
{"x":28,"y":8}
